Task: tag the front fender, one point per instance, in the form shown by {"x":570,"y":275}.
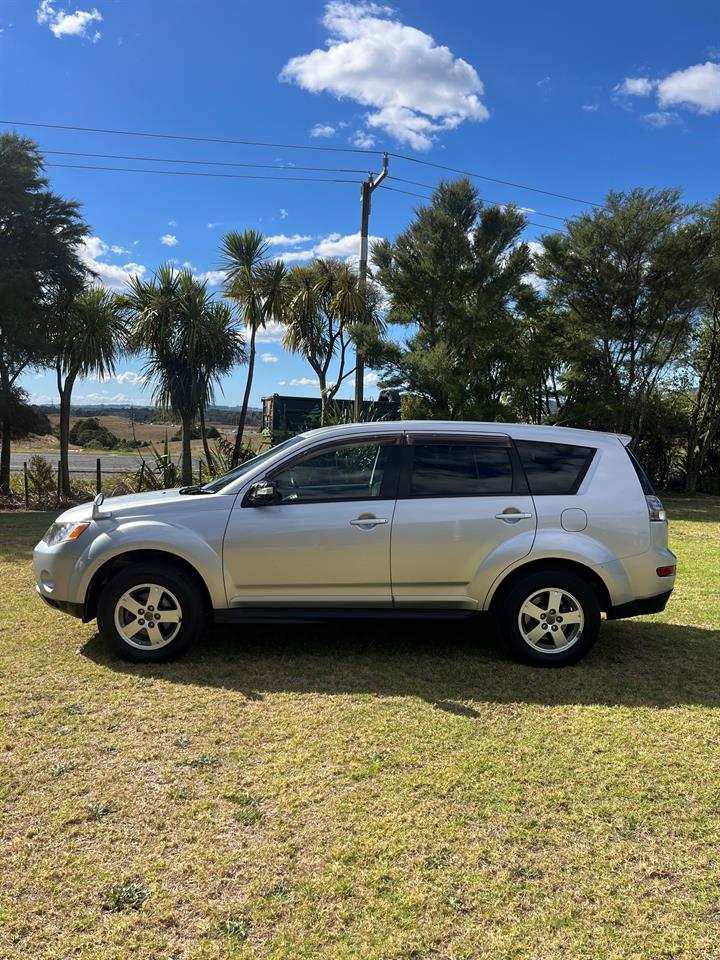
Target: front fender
{"x":577,"y":548}
{"x":179,"y":541}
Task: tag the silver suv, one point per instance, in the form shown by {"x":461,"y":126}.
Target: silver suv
{"x":545,"y":527}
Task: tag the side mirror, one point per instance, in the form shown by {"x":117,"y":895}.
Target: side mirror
{"x":261,"y":493}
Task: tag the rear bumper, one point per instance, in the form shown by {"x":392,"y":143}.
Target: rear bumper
{"x":640,"y":608}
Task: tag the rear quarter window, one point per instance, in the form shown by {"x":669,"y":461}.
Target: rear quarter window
{"x":554,"y":468}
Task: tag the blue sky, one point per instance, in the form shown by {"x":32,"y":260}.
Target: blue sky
{"x":574,"y":98}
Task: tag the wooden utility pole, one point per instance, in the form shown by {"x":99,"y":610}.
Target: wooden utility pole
{"x":366,"y":191}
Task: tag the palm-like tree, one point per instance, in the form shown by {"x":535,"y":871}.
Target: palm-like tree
{"x":324,"y":303}
{"x":222,"y":350}
{"x":258,"y":288}
{"x":177,"y":323}
{"x":89,"y":335}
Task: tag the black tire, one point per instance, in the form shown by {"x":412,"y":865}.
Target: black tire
{"x":180,"y":601}
{"x":538,"y":585}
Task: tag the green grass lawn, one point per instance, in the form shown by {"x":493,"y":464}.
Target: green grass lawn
{"x":360,"y":791}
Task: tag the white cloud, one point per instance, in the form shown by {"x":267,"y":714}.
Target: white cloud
{"x":272,"y":332}
{"x":590,"y":107}
{"x":169,"y":240}
{"x":362,"y":139}
{"x":283,"y":213}
{"x":333,"y":245}
{"x":322,"y":130}
{"x":93,"y":250}
{"x":660,"y":118}
{"x":213,"y":278}
{"x":282,"y":240}
{"x":118,"y":250}
{"x":127,"y":376}
{"x":65,"y":24}
{"x":302,"y":382}
{"x":697,"y":87}
{"x":416,"y":88}
{"x":211,"y":226}
{"x":103,"y":397}
{"x":635,"y":87}
{"x":268,"y":358}
{"x":172,"y":223}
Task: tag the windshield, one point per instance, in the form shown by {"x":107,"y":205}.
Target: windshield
{"x":214,"y":485}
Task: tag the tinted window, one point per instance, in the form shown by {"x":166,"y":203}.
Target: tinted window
{"x":346,"y":473}
{"x":459,"y":470}
{"x":553,"y":468}
{"x":645,"y":481}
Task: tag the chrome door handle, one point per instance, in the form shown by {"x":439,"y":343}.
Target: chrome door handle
{"x":367,"y":523}
{"x":512,"y":516}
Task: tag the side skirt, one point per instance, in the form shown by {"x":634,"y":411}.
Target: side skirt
{"x":319,"y":614}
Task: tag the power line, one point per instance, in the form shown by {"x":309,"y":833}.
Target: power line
{"x":193,"y":173}
{"x":201,"y":163}
{"x":504,"y":203}
{"x":507,"y":183}
{"x":192,"y":139}
{"x":298,"y":146}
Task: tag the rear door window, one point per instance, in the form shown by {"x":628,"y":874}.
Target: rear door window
{"x":459,"y":470}
{"x":554,"y":468}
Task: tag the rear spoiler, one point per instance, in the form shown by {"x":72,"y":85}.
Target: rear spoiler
{"x":624,"y":439}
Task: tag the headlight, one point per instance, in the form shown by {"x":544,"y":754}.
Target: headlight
{"x":59,"y":532}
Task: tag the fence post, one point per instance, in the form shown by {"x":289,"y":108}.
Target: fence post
{"x":141,"y":477}
{"x":200,"y":470}
{"x":58,"y":485}
{"x":98,"y":475}
{"x":25,"y":484}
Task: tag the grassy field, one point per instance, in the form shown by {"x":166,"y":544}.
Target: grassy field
{"x":357,"y":791}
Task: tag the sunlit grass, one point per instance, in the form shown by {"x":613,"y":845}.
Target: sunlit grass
{"x":362,"y":791}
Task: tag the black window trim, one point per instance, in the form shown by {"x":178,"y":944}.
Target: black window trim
{"x":581,"y":474}
{"x":388,"y":488}
{"x":519,"y":485}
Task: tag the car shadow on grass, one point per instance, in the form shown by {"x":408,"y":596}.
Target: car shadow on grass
{"x":449,"y":664}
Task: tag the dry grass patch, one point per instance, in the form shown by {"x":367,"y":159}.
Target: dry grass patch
{"x":361,"y":791}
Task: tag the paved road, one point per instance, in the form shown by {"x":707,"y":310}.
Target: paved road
{"x":85,"y":462}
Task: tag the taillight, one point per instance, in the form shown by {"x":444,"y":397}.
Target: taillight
{"x":655,"y":508}
{"x":668,"y":571}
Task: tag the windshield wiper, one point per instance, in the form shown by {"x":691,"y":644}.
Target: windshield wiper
{"x":194,"y":489}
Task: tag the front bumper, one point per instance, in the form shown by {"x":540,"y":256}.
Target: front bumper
{"x":65,"y":606}
{"x":640,"y":608}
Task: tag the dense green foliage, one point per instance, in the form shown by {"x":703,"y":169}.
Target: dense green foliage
{"x":39,"y":262}
{"x":612,"y":324}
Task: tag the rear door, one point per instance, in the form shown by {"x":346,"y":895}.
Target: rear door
{"x":463,"y":515}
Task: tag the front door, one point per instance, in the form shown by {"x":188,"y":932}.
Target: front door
{"x":463,"y":515}
{"x":325,"y":541}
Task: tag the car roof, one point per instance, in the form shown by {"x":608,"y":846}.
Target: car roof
{"x":520,"y":431}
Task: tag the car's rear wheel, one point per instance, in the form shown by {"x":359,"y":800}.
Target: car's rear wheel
{"x":550,"y":618}
{"x":150,"y":613}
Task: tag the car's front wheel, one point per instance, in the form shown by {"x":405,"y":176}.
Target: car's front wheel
{"x":150,"y":613}
{"x":551,"y":618}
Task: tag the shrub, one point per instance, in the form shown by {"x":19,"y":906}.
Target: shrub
{"x":41,"y":478}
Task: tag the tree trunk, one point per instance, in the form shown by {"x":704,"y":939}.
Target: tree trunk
{"x":323,"y":400}
{"x":246,"y":401}
{"x":206,"y":445}
{"x":6,"y":425}
{"x":65,"y":392}
{"x":5,"y":457}
{"x":187,"y":425}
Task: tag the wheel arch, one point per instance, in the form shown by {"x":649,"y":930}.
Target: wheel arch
{"x":121,"y":561}
{"x":590,"y":576}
